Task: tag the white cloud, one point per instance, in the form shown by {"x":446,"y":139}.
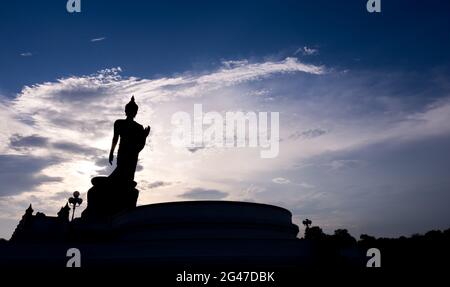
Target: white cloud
{"x":306,"y":185}
{"x":281,"y":180}
{"x":345,"y":163}
{"x":306,"y":51}
{"x":26,"y":54}
{"x":98,"y":39}
{"x":74,"y":117}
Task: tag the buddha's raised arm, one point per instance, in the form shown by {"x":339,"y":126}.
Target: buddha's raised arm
{"x":144,"y":136}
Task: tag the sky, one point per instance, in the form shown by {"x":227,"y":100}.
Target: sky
{"x":363,"y":102}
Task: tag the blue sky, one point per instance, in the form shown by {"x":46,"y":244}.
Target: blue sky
{"x":149,"y":38}
{"x":363,"y":99}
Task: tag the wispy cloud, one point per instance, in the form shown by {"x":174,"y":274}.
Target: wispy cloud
{"x":201,"y":193}
{"x":306,"y":51}
{"x":308,"y":134}
{"x":157,"y":184}
{"x":281,"y":180}
{"x":72,"y":117}
{"x":98,"y":39}
{"x":18,"y":141}
{"x":26,"y":54}
{"x":26,"y":172}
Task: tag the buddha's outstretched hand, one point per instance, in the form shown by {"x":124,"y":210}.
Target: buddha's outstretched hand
{"x":146,"y":131}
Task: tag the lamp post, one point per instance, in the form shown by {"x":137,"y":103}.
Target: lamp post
{"x":307,"y":223}
{"x":74,"y":201}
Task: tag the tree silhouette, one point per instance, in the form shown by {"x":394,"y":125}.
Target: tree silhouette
{"x":342,"y":237}
{"x":307,"y":223}
{"x":314,"y":233}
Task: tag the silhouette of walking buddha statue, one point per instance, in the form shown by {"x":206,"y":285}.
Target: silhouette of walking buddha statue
{"x":132,"y":140}
{"x":115,"y":193}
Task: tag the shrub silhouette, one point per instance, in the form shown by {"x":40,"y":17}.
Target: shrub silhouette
{"x":429,"y":250}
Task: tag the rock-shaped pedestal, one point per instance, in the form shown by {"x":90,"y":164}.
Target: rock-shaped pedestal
{"x":108,"y":197}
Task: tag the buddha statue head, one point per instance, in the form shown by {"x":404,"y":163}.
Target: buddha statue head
{"x":131,"y":108}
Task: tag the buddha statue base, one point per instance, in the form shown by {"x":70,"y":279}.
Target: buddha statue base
{"x":109,"y":196}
